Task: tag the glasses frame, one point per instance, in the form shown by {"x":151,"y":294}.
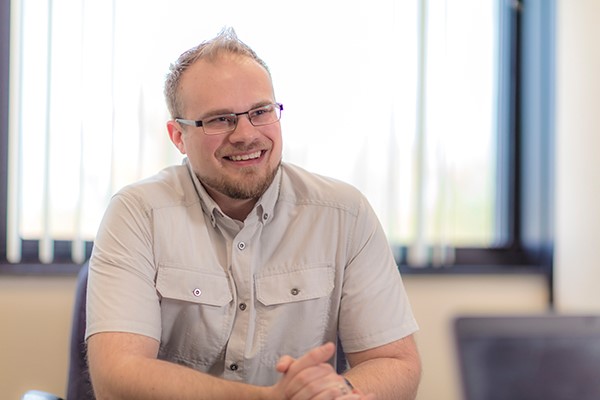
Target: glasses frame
{"x":199,"y":123}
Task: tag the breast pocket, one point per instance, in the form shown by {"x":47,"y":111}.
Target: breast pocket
{"x":294,"y":286}
{"x":294,"y":309}
{"x":196,"y":309}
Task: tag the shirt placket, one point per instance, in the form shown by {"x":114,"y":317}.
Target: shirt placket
{"x":242,"y":249}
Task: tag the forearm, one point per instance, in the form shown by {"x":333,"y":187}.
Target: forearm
{"x":141,"y":378}
{"x":124,"y":366}
{"x":388,"y":378}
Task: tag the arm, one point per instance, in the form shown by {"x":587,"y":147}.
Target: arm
{"x":124,"y":366}
{"x":391,"y":371}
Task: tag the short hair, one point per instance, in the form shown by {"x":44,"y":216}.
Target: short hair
{"x":226,"y":42}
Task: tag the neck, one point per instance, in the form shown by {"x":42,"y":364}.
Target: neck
{"x":237,"y":209}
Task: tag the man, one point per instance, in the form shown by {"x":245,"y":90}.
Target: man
{"x":229,"y":276}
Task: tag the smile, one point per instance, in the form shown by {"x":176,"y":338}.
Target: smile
{"x":246,"y":157}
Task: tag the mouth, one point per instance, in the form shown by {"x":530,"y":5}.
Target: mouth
{"x":245,"y":157}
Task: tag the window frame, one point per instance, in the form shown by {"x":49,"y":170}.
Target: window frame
{"x":527,"y":146}
{"x":30,"y":264}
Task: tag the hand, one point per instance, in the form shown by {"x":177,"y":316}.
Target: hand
{"x":311,"y":377}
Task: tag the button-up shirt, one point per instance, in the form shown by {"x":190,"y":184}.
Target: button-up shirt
{"x":229,"y":298}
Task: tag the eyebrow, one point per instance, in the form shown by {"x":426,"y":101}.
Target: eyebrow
{"x":225,"y":111}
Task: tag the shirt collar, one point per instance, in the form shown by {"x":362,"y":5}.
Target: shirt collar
{"x":263,"y":210}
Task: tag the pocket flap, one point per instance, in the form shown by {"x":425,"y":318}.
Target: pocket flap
{"x":293,"y":286}
{"x":193,"y":286}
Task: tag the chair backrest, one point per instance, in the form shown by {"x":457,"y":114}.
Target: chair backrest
{"x":341,"y":363}
{"x":79,"y":386}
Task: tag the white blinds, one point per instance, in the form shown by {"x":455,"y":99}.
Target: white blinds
{"x":396,"y":97}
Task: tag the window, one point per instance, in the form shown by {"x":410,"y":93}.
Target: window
{"x":417,"y":103}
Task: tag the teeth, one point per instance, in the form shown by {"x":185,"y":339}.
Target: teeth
{"x":245,"y":157}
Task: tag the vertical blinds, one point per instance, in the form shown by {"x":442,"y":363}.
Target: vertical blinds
{"x":396,"y":98}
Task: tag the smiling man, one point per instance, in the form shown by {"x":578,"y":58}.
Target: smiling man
{"x":231,"y":275}
{"x":235,"y":156}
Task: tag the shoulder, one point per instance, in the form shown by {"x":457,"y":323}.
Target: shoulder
{"x":170,"y":187}
{"x":303,"y":187}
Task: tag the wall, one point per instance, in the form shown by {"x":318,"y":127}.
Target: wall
{"x":35,"y":318}
{"x":577,"y":219}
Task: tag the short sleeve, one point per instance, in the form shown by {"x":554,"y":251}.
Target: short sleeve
{"x":121,"y":290}
{"x":375,"y":309}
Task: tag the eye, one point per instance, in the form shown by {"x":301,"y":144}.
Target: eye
{"x":220,"y":120}
{"x":261,"y":112}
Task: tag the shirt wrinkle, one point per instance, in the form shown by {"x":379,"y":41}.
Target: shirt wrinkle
{"x":247,"y":293}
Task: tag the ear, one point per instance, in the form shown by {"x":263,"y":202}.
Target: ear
{"x":176,"y":135}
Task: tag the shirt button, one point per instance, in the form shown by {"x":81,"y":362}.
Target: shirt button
{"x":233,"y":367}
{"x":241,"y":245}
{"x":242,"y":306}
{"x":197,"y":292}
{"x":265,"y":216}
{"x":295,"y":291}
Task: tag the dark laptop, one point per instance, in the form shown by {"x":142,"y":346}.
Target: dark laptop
{"x":543,"y":357}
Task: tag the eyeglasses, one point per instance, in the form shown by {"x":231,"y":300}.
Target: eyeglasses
{"x":219,"y":124}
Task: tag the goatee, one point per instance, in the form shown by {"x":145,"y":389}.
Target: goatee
{"x":252,"y":187}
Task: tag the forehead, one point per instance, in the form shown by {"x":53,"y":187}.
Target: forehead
{"x":225,"y":82}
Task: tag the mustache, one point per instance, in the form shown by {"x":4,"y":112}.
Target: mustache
{"x":242,"y":147}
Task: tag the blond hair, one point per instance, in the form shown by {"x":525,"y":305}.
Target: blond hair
{"x":226,"y":42}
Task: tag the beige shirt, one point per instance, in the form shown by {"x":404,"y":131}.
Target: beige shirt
{"x":230,"y":298}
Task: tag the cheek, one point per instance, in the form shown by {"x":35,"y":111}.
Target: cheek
{"x":201,"y":148}
{"x":277,"y":145}
{"x":275,"y":137}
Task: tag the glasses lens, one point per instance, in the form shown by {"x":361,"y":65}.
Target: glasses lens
{"x":265,"y":115}
{"x":219,"y":124}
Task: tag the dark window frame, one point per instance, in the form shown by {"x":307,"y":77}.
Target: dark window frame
{"x":527,"y":146}
{"x":528,"y":130}
{"x":30,"y":264}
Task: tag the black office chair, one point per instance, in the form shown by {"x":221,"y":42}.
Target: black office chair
{"x":79,"y":386}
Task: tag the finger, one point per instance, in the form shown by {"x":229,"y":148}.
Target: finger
{"x":313,"y":358}
{"x":337,"y":390}
{"x":312,"y":365}
{"x":312,"y":382}
{"x":284,"y":364}
{"x":318,"y":383}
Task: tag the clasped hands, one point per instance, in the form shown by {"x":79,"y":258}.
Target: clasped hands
{"x":311,"y":377}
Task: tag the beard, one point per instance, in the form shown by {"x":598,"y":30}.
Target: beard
{"x":250,"y":186}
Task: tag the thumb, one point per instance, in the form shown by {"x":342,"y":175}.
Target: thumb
{"x":314,"y":357}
